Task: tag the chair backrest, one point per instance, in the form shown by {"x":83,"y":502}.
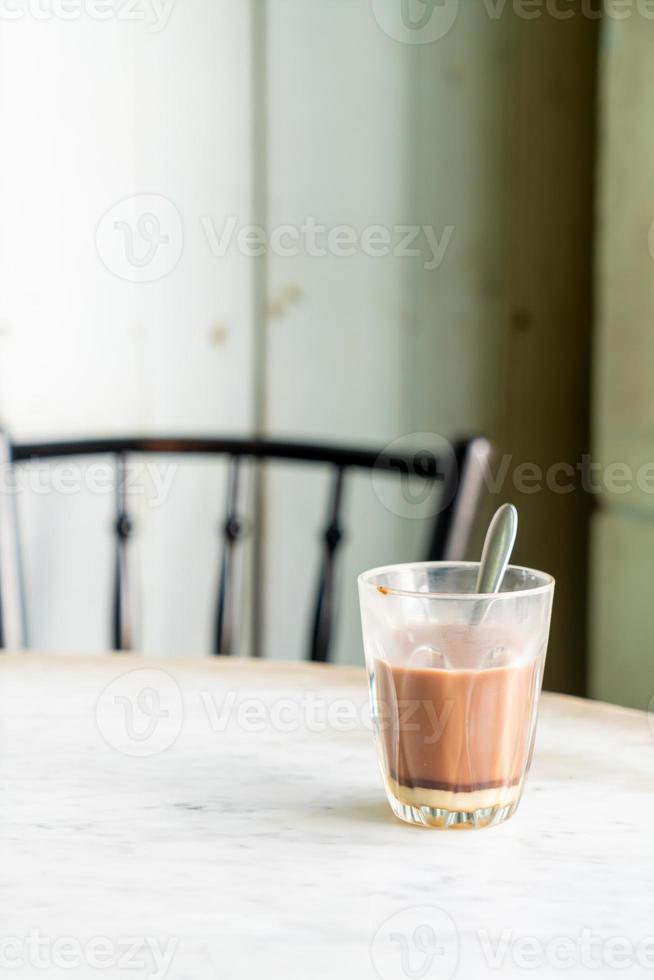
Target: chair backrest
{"x":460,"y":473}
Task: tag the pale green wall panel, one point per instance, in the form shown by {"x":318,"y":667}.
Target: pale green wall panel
{"x":622,"y":564}
{"x":622,"y":630}
{"x":624,"y":382}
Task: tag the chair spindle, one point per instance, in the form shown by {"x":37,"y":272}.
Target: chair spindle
{"x":323,"y":621}
{"x":124,"y":637}
{"x":232,"y":533}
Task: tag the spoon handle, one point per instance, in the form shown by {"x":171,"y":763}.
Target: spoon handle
{"x":498,"y":546}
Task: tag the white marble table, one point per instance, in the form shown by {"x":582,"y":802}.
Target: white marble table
{"x":236,"y":827}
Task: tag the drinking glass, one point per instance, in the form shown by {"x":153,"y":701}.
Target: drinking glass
{"x":455,"y":680}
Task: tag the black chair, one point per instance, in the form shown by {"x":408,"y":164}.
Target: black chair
{"x":461,"y":475}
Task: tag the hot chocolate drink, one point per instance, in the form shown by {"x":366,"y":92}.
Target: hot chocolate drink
{"x":456,"y":711}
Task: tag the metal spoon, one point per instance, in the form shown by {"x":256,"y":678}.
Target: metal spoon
{"x":498,"y":546}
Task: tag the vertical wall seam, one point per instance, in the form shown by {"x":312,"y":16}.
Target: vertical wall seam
{"x":259,"y":170}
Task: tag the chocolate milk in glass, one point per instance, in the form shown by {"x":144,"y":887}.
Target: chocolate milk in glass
{"x":456,"y":738}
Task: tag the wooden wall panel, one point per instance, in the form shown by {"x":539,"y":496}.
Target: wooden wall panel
{"x":548,"y":318}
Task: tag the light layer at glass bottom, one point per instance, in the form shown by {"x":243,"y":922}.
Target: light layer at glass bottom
{"x":429,"y":808}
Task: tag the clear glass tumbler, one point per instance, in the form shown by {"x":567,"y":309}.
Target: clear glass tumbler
{"x":455,"y":679}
